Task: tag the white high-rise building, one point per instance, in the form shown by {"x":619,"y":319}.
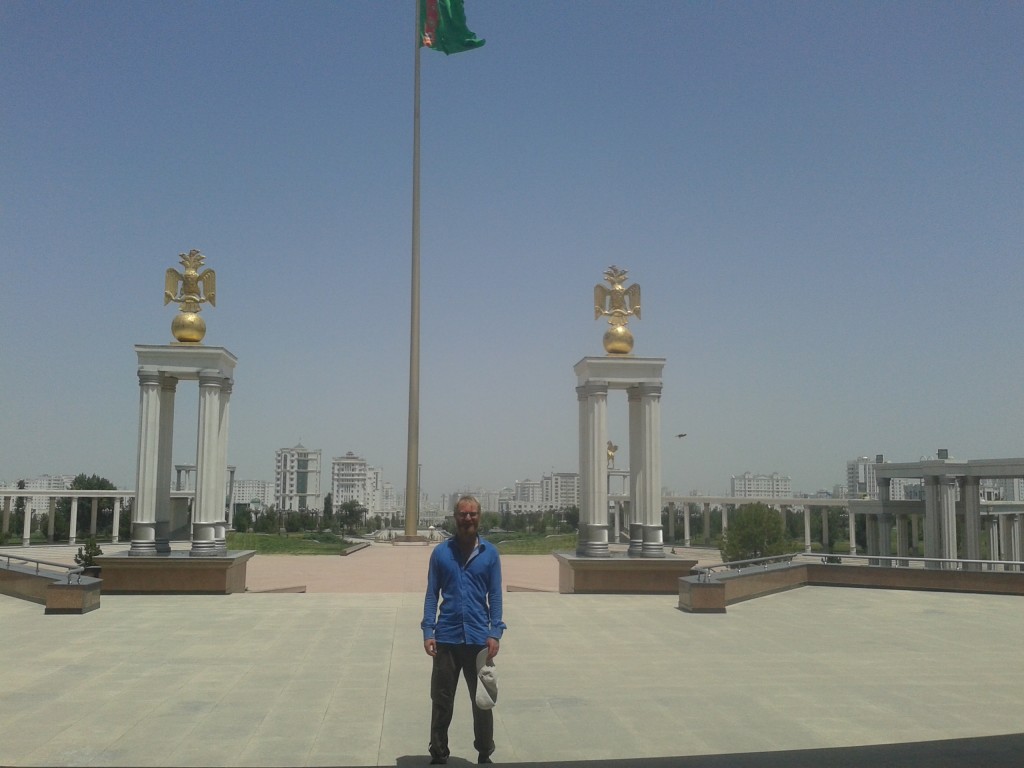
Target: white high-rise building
{"x":348,"y":480}
{"x":860,"y":478}
{"x":353,"y":479}
{"x":488,"y":501}
{"x":297,"y":478}
{"x":375,"y":490}
{"x":259,"y":493}
{"x":773,"y":486}
{"x":1013,"y":489}
{"x":561,"y":489}
{"x":529,"y":491}
{"x":389,"y":498}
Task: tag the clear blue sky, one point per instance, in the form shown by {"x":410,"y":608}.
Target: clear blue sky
{"x":822,"y":201}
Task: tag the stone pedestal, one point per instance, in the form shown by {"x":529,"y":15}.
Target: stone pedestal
{"x":176,"y":573}
{"x":621,"y":574}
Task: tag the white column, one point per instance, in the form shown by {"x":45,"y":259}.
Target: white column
{"x":51,"y":518}
{"x":162,"y":516}
{"x":26,"y":533}
{"x":932,"y":513}
{"x":209,"y":498}
{"x":94,"y":509}
{"x":1016,"y":543}
{"x":1005,"y":539}
{"x":807,"y":528}
{"x":852,"y":521}
{"x":871,"y":534}
{"x":6,"y":527}
{"x":902,"y":549}
{"x":686,"y":525}
{"x":993,"y":538}
{"x":947,"y":509}
{"x":585,"y":470}
{"x":884,"y":520}
{"x":73,"y":521}
{"x":594,"y":466}
{"x":637,"y":485}
{"x":650,"y":435}
{"x":824,"y":528}
{"x":885,"y":526}
{"x":220,"y":530}
{"x":971,"y":496}
{"x":146,"y":489}
{"x":116,"y":524}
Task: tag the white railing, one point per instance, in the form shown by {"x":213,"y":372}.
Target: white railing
{"x":72,"y":570}
{"x":706,"y":573}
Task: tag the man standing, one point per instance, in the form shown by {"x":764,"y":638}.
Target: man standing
{"x":465,"y":572}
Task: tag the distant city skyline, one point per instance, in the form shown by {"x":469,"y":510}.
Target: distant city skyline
{"x":821,"y":202}
{"x":345,"y":472}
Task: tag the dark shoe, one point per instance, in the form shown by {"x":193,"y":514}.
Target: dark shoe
{"x":438,"y":760}
{"x":483,"y":759}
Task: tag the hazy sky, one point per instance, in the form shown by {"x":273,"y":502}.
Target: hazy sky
{"x":823,"y":203}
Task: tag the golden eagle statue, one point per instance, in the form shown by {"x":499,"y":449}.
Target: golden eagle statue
{"x":617,"y":303}
{"x":195,"y":288}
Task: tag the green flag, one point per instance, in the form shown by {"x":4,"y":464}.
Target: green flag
{"x":443,"y":27}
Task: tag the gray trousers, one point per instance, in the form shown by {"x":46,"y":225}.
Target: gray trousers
{"x":444,"y":680}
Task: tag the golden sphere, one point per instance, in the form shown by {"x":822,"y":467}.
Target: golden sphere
{"x":618,"y":340}
{"x":188,"y":327}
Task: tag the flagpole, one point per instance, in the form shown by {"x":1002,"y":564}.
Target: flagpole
{"x":412,"y":490}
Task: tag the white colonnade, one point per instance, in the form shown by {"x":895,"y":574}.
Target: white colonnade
{"x":641,"y":379}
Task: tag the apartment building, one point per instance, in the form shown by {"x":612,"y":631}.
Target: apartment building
{"x":297,"y":479}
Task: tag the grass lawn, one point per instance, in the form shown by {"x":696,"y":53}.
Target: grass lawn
{"x":305,"y":544}
{"x":292,"y":544}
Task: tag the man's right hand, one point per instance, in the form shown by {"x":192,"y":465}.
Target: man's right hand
{"x":430,"y":646}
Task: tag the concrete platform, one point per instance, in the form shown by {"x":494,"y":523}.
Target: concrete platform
{"x":810,"y":677}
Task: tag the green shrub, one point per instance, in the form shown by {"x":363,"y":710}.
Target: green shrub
{"x":755,"y":530}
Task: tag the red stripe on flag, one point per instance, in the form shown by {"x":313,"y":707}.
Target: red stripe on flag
{"x":430,"y":22}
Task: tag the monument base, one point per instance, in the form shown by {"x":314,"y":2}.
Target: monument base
{"x":619,"y":574}
{"x":174,"y":573}
{"x":417,"y":539}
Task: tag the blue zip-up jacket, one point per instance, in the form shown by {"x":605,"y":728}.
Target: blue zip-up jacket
{"x":470,"y":593}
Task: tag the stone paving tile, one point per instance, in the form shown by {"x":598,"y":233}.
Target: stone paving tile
{"x":336,"y":678}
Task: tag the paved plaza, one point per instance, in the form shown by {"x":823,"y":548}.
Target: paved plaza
{"x":337,"y":676}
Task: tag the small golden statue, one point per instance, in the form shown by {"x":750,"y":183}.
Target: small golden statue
{"x":612,"y":448}
{"x":617,"y":304}
{"x":196,"y":287}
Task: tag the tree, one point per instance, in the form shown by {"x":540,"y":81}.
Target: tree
{"x":241,"y":520}
{"x":18,"y":517}
{"x":572,"y":517}
{"x":350,"y":514}
{"x":755,"y":530}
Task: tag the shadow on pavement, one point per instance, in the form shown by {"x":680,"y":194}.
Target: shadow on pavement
{"x":984,"y":752}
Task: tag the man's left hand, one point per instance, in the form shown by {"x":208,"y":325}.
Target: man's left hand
{"x":492,"y":647}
